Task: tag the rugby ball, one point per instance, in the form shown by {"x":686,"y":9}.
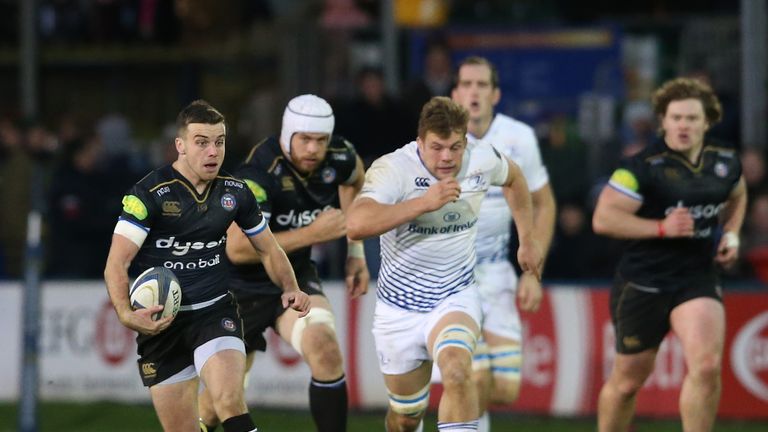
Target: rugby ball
{"x":156,"y":286}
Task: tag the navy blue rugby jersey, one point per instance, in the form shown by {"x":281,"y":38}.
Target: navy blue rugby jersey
{"x":187,"y":230}
{"x":290,"y":200}
{"x":664,"y":179}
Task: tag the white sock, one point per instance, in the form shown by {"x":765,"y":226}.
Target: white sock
{"x":468,"y":426}
{"x":484,"y":425}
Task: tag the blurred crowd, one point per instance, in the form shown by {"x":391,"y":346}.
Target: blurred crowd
{"x":88,"y":163}
{"x":70,"y":22}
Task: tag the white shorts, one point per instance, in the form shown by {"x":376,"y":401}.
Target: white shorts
{"x":498,"y":290}
{"x":401,"y":335}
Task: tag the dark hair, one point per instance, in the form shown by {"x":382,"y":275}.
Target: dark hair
{"x":478,"y":61}
{"x":443,"y":116}
{"x":198,"y":111}
{"x":688,"y":88}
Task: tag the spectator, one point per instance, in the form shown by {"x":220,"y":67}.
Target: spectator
{"x":436,"y":80}
{"x":753,"y":166}
{"x":637,"y":128}
{"x":372,"y":118}
{"x":80,"y":224}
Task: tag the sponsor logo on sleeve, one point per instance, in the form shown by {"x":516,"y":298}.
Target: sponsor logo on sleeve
{"x":134,"y":207}
{"x":257,"y":190}
{"x":626,"y":179}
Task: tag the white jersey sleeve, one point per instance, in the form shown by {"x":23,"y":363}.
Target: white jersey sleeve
{"x":382,"y":182}
{"x":500,"y":171}
{"x":517,"y":141}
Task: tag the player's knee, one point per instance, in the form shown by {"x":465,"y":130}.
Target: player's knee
{"x":455,"y":376}
{"x":455,"y":368}
{"x":228,"y":402}
{"x":707,"y":365}
{"x":706,"y":368}
{"x":628,"y":386}
{"x":314,"y":336}
{"x":321,"y":349}
{"x":318,"y":323}
{"x":453,"y":350}
{"x":409,"y":409}
{"x":318,"y":337}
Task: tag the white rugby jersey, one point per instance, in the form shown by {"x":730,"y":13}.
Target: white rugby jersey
{"x":431,"y":257}
{"x":517,"y":141}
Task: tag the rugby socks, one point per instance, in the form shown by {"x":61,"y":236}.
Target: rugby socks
{"x":241,"y":423}
{"x":328,"y":404}
{"x":468,"y":426}
{"x":484,"y":423}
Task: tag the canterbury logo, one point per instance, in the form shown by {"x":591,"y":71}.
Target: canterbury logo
{"x":148,"y":369}
{"x":421,"y":182}
{"x":171,"y":207}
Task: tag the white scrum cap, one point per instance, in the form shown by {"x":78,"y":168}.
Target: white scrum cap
{"x":305,"y":113}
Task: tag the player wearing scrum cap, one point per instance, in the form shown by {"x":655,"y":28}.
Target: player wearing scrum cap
{"x":302,"y":181}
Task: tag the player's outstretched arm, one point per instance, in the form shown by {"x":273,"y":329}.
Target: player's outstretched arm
{"x":240,"y":250}
{"x":544,"y":211}
{"x":280,"y":271}
{"x":121,"y":254}
{"x":519,"y":200}
{"x":328,"y":225}
{"x":733,"y":218}
{"x":356,"y":269}
{"x":368,"y":217}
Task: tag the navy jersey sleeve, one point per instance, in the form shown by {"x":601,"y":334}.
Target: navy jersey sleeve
{"x":261,"y":184}
{"x":139,"y":207}
{"x":738,"y":171}
{"x":630,"y":177}
{"x":249,"y":216}
{"x":344,"y":159}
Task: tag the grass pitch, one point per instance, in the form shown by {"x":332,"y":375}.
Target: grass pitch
{"x":116,"y":417}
